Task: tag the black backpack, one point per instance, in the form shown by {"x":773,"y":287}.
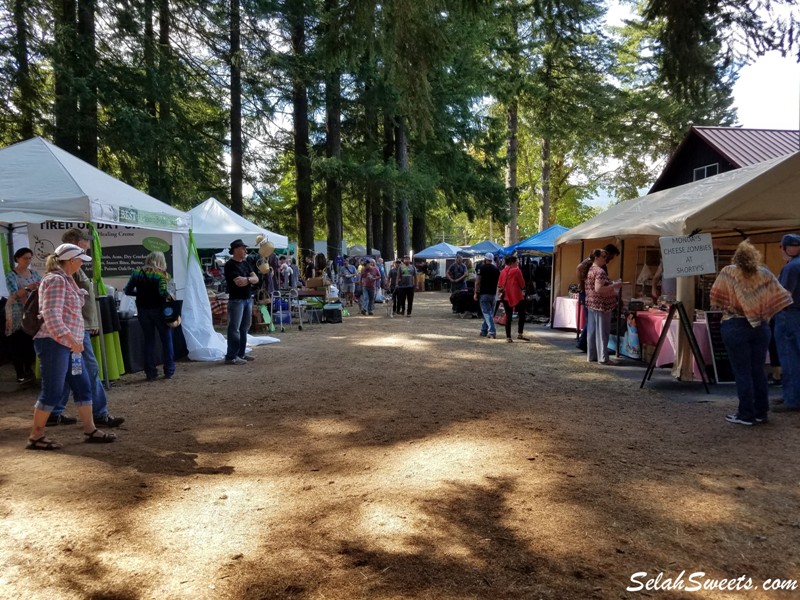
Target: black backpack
{"x":31,"y":322}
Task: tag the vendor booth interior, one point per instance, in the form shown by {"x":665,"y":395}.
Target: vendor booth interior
{"x":758,"y":202}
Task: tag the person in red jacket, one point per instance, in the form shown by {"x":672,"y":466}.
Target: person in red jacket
{"x":512,"y":289}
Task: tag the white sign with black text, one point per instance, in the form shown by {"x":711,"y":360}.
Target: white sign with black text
{"x":687,"y":255}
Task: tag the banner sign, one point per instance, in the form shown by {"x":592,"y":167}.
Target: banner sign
{"x":124,"y":248}
{"x":687,"y":255}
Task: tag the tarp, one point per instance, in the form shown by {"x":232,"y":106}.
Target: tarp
{"x":485,"y":246}
{"x":360,"y":250}
{"x":215,"y":226}
{"x":441,"y":250}
{"x":539,"y":243}
{"x":763,"y":196}
{"x":40,"y":182}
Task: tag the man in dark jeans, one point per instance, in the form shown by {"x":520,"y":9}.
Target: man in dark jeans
{"x":580,"y":272}
{"x":485,"y":292}
{"x":239,"y":276}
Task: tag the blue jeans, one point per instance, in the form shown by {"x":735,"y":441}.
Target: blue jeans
{"x":99,"y":400}
{"x":598,"y":328}
{"x":152,"y":321}
{"x":487,"y":308}
{"x":368,"y":299}
{"x":747,"y":348}
{"x":239,"y":314}
{"x":787,"y":338}
{"x":54,"y":363}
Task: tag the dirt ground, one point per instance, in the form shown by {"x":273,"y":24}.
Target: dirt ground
{"x":399,"y":458}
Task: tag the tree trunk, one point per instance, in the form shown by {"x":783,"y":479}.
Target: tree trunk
{"x":511,"y":173}
{"x":22,"y":76}
{"x":401,"y":156}
{"x":333,"y":150}
{"x":85,"y":71}
{"x":234,"y":63}
{"x":418,"y":237}
{"x":302,"y":160}
{"x":164,"y":98}
{"x":387,"y":216}
{"x":66,"y":103}
{"x":151,"y":103}
{"x":547,"y":169}
{"x":373,"y":203}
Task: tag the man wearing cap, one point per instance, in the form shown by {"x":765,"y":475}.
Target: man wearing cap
{"x":485,"y":292}
{"x":787,"y":325}
{"x":370,"y":279}
{"x":239,"y":276}
{"x":91,"y":324}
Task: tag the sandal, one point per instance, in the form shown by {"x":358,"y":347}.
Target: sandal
{"x":42,"y":443}
{"x":523,"y":338}
{"x":99,"y":437}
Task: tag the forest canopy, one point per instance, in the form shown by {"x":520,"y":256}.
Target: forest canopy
{"x":391,"y":124}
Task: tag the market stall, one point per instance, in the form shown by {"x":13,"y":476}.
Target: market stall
{"x":758,"y":201}
{"x":44,"y":190}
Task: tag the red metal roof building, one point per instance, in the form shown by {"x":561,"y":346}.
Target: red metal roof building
{"x":707,"y":151}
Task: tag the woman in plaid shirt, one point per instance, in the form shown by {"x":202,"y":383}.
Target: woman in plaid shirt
{"x":61,"y":334}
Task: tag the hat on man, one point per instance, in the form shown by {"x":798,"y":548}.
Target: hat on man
{"x":70,"y":251}
{"x":790,"y":239}
{"x":237,"y":244}
{"x":488,"y":256}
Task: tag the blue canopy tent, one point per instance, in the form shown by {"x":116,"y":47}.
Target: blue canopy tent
{"x":486,"y":246}
{"x":441,"y":250}
{"x":539,"y":244}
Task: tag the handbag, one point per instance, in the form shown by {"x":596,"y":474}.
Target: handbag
{"x":171,"y":312}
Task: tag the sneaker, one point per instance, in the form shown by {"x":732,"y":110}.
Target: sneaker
{"x":523,"y":338}
{"x":492,"y":336}
{"x":248,"y":358}
{"x":483,"y":335}
{"x":370,"y":313}
{"x":363,"y":312}
{"x":235,"y":361}
{"x":735,"y":419}
{"x":108,"y":421}
{"x":61,"y":420}
{"x":509,"y":341}
{"x":761,"y":420}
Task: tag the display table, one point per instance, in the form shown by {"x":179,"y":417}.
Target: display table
{"x":132,"y":340}
{"x":308,"y":293}
{"x":565,"y":314}
{"x":650,"y":324}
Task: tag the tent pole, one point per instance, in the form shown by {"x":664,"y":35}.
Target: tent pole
{"x":619,"y":294}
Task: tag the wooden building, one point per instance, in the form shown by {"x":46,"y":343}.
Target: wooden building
{"x":708,"y":151}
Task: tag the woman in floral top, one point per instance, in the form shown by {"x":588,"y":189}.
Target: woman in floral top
{"x":601,"y":300}
{"x":20,"y":281}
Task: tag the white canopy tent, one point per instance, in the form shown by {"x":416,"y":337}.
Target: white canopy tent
{"x":40,"y":182}
{"x":759,"y":201}
{"x":763,"y":196}
{"x":214,"y":225}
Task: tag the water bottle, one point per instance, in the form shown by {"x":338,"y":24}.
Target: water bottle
{"x":77,"y":363}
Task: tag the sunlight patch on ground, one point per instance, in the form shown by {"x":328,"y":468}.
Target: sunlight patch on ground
{"x":395,"y":341}
{"x":245,"y":506}
{"x":330,"y":426}
{"x":436,"y":336}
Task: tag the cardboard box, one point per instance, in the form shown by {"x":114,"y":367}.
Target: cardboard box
{"x":315,"y":282}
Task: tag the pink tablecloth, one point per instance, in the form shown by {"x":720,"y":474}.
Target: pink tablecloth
{"x":650,"y":324}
